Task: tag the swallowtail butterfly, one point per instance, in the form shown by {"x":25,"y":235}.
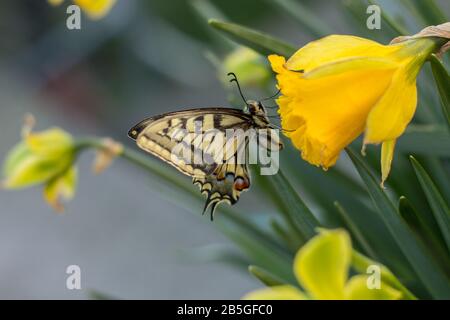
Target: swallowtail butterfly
{"x":202,"y":132}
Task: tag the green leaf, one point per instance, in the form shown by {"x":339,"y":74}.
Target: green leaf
{"x":429,"y":11}
{"x":357,"y":234}
{"x":292,"y":207}
{"x":426,"y":139}
{"x":279,"y":263}
{"x":258,"y":41}
{"x":437,"y":203}
{"x":307,"y":18}
{"x":430,"y":235}
{"x":338,"y":184}
{"x":285,"y":236}
{"x":390,"y":21}
{"x":265,"y":276}
{"x":98,"y":295}
{"x":426,"y":269}
{"x":442,"y":79}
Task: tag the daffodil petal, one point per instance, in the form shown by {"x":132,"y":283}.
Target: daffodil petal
{"x":15,"y":157}
{"x":321,"y":120}
{"x":31,"y":170}
{"x":321,"y":266}
{"x":392,"y":113}
{"x":61,"y":187}
{"x":333,"y":48}
{"x":357,"y":289}
{"x":284,"y":292}
{"x":350,"y":64}
{"x":51,"y":143}
{"x":95,"y":9}
{"x":387,"y":154}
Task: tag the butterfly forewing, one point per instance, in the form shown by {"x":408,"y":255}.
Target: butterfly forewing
{"x":186,"y":138}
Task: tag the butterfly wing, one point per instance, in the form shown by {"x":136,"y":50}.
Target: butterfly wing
{"x":201,"y":133}
{"x":225,"y":184}
{"x":189,"y":140}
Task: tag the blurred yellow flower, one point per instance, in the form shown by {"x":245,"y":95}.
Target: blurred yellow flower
{"x":45,"y":158}
{"x":338,"y":87}
{"x":95,"y":9}
{"x":321,"y":267}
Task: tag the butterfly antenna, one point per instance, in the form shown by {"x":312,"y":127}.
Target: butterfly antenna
{"x":234,"y":79}
{"x":272,"y":96}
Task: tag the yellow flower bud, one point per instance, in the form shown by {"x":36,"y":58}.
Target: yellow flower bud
{"x":250,"y":68}
{"x":44,"y":158}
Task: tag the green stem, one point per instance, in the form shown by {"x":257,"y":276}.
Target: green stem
{"x":148,"y":163}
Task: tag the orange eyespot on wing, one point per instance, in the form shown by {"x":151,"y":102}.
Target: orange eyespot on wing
{"x":225,"y":184}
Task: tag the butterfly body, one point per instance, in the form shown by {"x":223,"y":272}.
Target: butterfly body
{"x":202,"y":134}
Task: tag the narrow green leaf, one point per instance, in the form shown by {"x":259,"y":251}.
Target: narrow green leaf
{"x":391,"y":22}
{"x":307,"y":18}
{"x":426,"y":269}
{"x":336,"y":184}
{"x":292,"y":206}
{"x":279,"y":263}
{"x":98,"y":295}
{"x":429,"y":235}
{"x":285,"y":236}
{"x":437,"y":203}
{"x":258,"y":41}
{"x":426,"y":139}
{"x":430,"y":12}
{"x":442,"y":79}
{"x":206,"y":10}
{"x":265,"y":276}
{"x":355,"y":232}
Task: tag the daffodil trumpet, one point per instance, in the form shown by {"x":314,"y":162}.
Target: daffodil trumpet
{"x":349,"y":86}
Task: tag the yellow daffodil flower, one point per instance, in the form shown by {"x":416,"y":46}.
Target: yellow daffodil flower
{"x":95,"y":9}
{"x":45,"y":158}
{"x":321,"y":267}
{"x":338,"y":87}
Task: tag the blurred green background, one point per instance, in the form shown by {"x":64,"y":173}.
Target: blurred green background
{"x":144,"y":58}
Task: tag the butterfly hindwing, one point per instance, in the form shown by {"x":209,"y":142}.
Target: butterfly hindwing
{"x":225,"y":184}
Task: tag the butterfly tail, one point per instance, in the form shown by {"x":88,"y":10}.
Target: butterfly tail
{"x":210,"y":203}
